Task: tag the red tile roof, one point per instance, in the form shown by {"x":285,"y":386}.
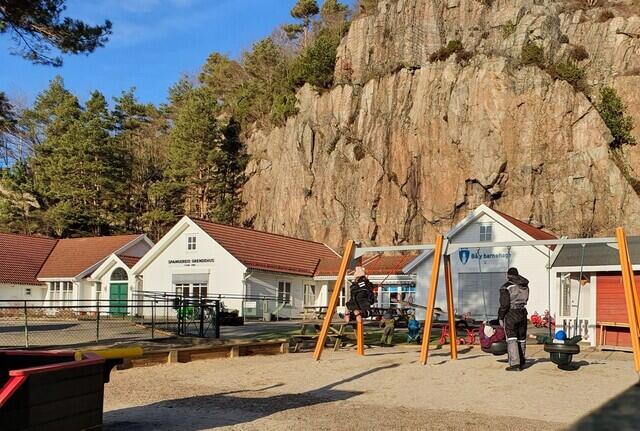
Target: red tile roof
{"x":532,"y":231}
{"x":22,"y":256}
{"x":72,"y":256}
{"x":268,"y":251}
{"x":129,"y":260}
{"x":374,"y":265}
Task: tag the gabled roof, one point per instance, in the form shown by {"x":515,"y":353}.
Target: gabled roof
{"x":532,"y":231}
{"x":129,"y":260}
{"x":73,"y":256}
{"x":519,"y":227}
{"x":22,"y":256}
{"x":376,"y":265}
{"x":267,"y":251}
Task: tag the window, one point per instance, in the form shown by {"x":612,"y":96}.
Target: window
{"x":119,"y":274}
{"x":199,"y":289}
{"x":309,"y":294}
{"x":182,"y":289}
{"x":486,"y":232}
{"x":284,"y":292}
{"x":27,"y":291}
{"x":191,"y":242}
{"x":98,"y":287}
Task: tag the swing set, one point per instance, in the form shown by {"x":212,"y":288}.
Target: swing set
{"x":442,"y":250}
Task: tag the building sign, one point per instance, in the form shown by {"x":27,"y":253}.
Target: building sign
{"x":464,"y":254}
{"x":189,"y":262}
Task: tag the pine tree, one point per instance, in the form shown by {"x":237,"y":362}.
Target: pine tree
{"x":142,"y":131}
{"x":37,"y":28}
{"x":205,"y":162}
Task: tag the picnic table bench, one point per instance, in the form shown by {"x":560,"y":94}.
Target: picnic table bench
{"x":339,"y":331}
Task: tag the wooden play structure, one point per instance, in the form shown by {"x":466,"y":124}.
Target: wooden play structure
{"x":55,"y":390}
{"x":442,"y":250}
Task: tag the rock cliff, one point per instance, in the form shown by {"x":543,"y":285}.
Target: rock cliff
{"x":403,"y":147}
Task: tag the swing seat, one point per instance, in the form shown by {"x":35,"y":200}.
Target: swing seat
{"x":561,"y":354}
{"x":498,"y":348}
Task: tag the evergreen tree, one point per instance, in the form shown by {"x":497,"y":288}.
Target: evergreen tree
{"x":37,"y":27}
{"x":142,"y":130}
{"x":79,"y":172}
{"x":202,"y":161}
{"x":303,"y":10}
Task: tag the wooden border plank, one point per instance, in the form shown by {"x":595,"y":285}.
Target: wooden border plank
{"x":627,"y":281}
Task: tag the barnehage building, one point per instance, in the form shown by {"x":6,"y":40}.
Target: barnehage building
{"x":481,"y":271}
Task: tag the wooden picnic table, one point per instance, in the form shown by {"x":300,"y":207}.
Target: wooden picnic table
{"x":310,"y":330}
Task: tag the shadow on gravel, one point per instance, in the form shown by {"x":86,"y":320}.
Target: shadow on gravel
{"x":210,"y":411}
{"x":620,"y":413}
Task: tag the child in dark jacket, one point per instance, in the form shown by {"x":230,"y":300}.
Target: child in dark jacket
{"x":362,"y":297}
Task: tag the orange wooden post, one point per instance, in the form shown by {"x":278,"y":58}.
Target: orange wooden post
{"x":428,"y":320}
{"x":349,"y":250}
{"x":627,"y":277}
{"x":450,"y":310}
{"x":360,"y":336}
{"x":634,"y":290}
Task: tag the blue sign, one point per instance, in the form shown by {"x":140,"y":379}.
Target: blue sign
{"x":464,"y":254}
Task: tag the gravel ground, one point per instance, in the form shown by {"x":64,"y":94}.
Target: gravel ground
{"x":387,"y":389}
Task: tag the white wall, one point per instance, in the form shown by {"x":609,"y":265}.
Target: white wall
{"x":531,"y":264}
{"x":225,"y":273}
{"x":262,"y":283}
{"x":11,"y":292}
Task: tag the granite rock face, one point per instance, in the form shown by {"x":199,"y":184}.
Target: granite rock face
{"x":404,"y":147}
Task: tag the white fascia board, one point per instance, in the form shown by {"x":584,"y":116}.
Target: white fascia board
{"x":161,"y":245}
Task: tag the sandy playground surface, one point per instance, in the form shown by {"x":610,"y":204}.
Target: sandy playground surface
{"x":387,"y":389}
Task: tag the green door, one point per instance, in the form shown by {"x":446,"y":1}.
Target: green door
{"x":118,"y":294}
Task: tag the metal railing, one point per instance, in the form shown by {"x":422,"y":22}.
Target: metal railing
{"x":33,"y":323}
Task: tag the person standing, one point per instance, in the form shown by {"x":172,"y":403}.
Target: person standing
{"x":389,"y":324}
{"x":514,"y":295}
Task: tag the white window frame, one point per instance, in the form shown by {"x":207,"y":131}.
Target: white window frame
{"x":192,"y":242}
{"x":486,"y":232}
{"x":284,"y":292}
{"x":306,"y":295}
{"x":199,"y":287}
{"x":27,"y":291}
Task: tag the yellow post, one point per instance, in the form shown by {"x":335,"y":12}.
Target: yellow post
{"x":333,"y":302}
{"x":360,"y":336}
{"x":428,"y":320}
{"x":450,"y":310}
{"x":627,"y":280}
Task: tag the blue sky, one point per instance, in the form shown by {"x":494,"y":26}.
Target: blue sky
{"x":153,"y":43}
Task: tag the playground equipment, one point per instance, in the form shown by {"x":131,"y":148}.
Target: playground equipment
{"x":441,"y":254}
{"x":44,"y":390}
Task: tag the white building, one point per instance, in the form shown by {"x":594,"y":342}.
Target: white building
{"x":21,"y":257}
{"x":478,"y":274}
{"x":599,"y":299}
{"x":250,"y":271}
{"x":385,"y":272}
{"x":81,"y":270}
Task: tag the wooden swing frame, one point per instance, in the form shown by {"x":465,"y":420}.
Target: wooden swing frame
{"x":442,"y":255}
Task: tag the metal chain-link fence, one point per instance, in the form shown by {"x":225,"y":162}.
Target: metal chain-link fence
{"x":56,"y":323}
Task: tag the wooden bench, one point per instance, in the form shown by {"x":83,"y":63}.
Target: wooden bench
{"x":603,"y":335}
{"x":310,"y":330}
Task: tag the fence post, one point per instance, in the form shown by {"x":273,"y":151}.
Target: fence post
{"x":201,"y":331}
{"x":217,"y":319}
{"x":153,"y":318}
{"x":97,"y":321}
{"x":26,"y":326}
